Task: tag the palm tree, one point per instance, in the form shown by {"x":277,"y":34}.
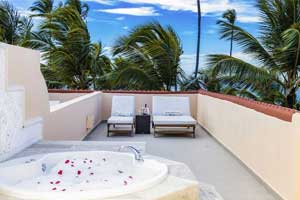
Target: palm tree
{"x":203,"y":81}
{"x":73,"y":61}
{"x":273,"y":75}
{"x":42,"y":8}
{"x":14,"y":29}
{"x":81,"y":7}
{"x":100,"y":66}
{"x":152,"y":53}
{"x":198,"y":38}
{"x":230,"y":16}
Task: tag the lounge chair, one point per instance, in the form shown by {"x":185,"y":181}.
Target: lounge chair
{"x":172,"y":112}
{"x":122,"y":114}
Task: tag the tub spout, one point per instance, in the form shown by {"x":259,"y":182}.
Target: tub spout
{"x":137,"y":154}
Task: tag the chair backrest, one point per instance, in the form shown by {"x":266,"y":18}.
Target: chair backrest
{"x":166,"y":105}
{"x":123,"y":106}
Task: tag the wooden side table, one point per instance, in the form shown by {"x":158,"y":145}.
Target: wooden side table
{"x":142,"y":124}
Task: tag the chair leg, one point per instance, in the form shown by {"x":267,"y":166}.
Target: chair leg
{"x":132,"y":130}
{"x":154,"y":131}
{"x":194,"y":131}
{"x":108,"y":125}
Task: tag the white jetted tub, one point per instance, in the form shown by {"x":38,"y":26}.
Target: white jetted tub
{"x":79,"y":175}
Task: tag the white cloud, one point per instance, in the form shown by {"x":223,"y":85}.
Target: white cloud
{"x":125,"y":27}
{"x":211,"y":31}
{"x":106,"y":2}
{"x":188,"y":62}
{"x":188,"y":32}
{"x":25,"y":13}
{"x":107,"y":21}
{"x":247,"y":12}
{"x":248,"y":19}
{"x":245,"y":57}
{"x":120,"y":18}
{"x":140,"y":11}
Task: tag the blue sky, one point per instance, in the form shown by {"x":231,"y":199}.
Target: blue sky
{"x":109,"y":19}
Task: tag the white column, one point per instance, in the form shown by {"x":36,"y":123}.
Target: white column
{"x":3,"y":71}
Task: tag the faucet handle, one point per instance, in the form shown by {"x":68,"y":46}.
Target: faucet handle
{"x":137,"y":154}
{"x":129,"y":147}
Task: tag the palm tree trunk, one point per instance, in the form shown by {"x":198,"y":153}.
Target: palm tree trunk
{"x":291,"y":99}
{"x":176,"y":85}
{"x":231,"y":42}
{"x":198,"y":39}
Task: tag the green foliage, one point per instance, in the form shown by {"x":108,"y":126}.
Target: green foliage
{"x":73,"y":61}
{"x":148,"y":58}
{"x":152,"y":54}
{"x":273,"y":75}
{"x":14,"y":29}
{"x":229,"y":15}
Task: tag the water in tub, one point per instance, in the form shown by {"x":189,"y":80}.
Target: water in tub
{"x":80,"y":175}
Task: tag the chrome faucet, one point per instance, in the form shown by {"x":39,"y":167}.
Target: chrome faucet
{"x":137,"y":154}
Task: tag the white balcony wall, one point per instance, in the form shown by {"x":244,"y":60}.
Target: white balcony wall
{"x":73,"y":119}
{"x":268,"y":146}
{"x":22,"y":68}
{"x":22,"y":114}
{"x":63,"y":97}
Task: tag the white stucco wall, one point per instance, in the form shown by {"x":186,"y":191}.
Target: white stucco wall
{"x":22,"y":68}
{"x":63,"y":97}
{"x":21,"y":80}
{"x":269,"y":146}
{"x":68,"y":120}
{"x":3,"y":69}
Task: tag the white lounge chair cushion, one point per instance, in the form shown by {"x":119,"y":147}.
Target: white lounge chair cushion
{"x":174,"y":120}
{"x":123,"y":106}
{"x":120,"y":120}
{"x":170,"y":105}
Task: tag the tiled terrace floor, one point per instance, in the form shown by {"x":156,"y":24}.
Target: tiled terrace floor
{"x":208,"y":160}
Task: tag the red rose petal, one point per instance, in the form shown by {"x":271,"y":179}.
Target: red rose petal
{"x":91,"y":161}
{"x":57,"y":182}
{"x":60,"y":172}
{"x":130,"y":177}
{"x":53,"y":188}
{"x":63,"y":190}
{"x":78,"y":172}
{"x":67,"y":161}
{"x":51,"y":182}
